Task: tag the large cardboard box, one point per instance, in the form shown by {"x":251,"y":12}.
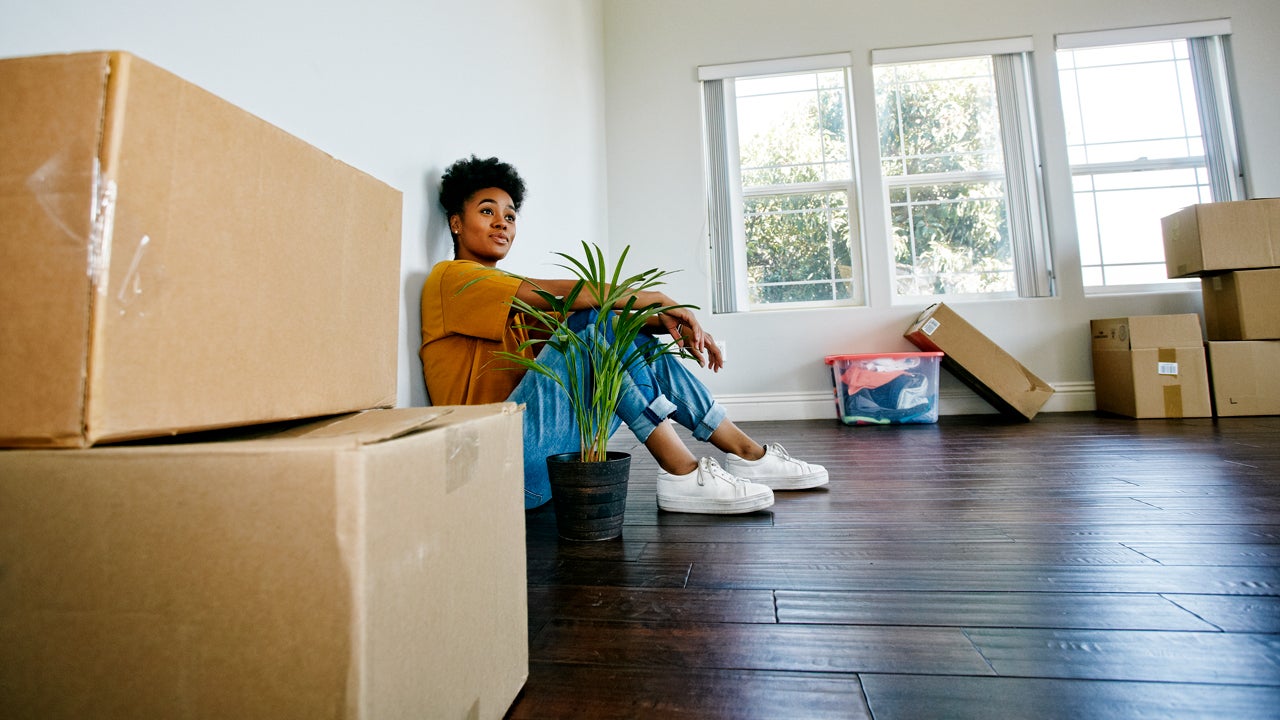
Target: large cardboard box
{"x":1222,"y":236}
{"x":169,"y":262}
{"x":367,"y":566}
{"x":1150,"y":366}
{"x":1245,"y":377}
{"x":1242,"y":305}
{"x":979,"y":362}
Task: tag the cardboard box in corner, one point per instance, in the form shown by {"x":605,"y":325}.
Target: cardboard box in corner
{"x":172,"y":263}
{"x":368,"y":566}
{"x":1150,"y":366}
{"x":979,"y":362}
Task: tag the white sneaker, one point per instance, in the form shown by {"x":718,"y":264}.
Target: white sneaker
{"x":711,"y":490}
{"x":778,"y":470}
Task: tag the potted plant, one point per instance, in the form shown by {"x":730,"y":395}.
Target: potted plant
{"x":589,"y":487}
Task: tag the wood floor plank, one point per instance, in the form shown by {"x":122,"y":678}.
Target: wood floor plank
{"x":1013,"y":610}
{"x":1234,"y":613}
{"x":919,"y":697}
{"x":925,"y":576}
{"x":1189,"y":657}
{"x":860,"y":552}
{"x":1134,"y":533}
{"x":654,"y":605}
{"x":602,"y":572}
{"x":1183,"y":553}
{"x":572,"y":692}
{"x":798,"y":648}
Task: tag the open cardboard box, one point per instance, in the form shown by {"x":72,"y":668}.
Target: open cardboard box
{"x":1150,"y":366}
{"x":364,"y":566}
{"x":1242,"y":305}
{"x":172,"y":263}
{"x":979,"y":362}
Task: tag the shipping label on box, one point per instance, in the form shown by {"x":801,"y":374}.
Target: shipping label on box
{"x":1242,"y":305}
{"x":173,"y":263}
{"x":1150,"y":366}
{"x":979,"y":362}
{"x":364,"y":567}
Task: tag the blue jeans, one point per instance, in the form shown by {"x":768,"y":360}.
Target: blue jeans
{"x":652,"y":393}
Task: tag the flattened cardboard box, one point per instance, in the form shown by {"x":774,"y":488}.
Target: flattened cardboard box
{"x":1150,"y":366}
{"x":173,"y":263}
{"x":1242,"y":305}
{"x":979,"y":362}
{"x":1222,"y":236}
{"x":1245,"y":377}
{"x":370,"y":566}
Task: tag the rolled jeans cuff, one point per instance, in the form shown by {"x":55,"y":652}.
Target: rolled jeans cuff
{"x":710,"y":422}
{"x":648,"y":420}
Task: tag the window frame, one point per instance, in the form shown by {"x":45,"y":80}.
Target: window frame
{"x":1022,"y":174}
{"x":726,"y":194}
{"x":1209,"y":49}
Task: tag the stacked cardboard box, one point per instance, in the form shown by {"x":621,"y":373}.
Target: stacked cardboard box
{"x":1234,"y":248}
{"x":272,"y":541}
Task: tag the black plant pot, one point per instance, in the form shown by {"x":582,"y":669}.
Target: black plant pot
{"x":589,"y":497}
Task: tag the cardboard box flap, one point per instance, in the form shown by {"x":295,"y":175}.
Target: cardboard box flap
{"x":376,"y":426}
{"x":1146,"y":331}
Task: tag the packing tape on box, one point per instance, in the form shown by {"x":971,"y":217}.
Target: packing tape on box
{"x":462,"y":455}
{"x":1173,"y":401}
{"x":1166,"y":358}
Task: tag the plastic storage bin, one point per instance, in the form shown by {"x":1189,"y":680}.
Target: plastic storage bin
{"x":886,"y":388}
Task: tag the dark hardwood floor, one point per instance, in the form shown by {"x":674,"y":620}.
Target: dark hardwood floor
{"x":1077,"y":566}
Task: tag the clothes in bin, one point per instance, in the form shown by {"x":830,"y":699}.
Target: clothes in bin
{"x":886,"y":388}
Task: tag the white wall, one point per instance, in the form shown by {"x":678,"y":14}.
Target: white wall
{"x":397,"y":88}
{"x":657,"y":200}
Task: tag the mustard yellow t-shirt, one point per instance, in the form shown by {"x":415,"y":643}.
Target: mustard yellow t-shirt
{"x":461,"y":330}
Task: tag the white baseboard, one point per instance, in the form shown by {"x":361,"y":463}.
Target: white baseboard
{"x":1067,"y":397}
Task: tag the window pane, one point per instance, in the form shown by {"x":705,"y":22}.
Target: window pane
{"x":942,"y":118}
{"x":792,"y":129}
{"x":953,"y":239}
{"x":798,"y":247}
{"x":1119,"y":215}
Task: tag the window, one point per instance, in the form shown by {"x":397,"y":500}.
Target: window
{"x":960,"y":169}
{"x":1149,"y":131}
{"x":781,"y":183}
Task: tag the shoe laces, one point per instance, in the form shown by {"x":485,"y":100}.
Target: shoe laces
{"x":708,"y":466}
{"x":782,"y":454}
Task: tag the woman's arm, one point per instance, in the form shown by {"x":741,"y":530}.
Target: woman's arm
{"x":679,"y":322}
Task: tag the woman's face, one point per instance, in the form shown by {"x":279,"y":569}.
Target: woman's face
{"x":486,"y":227}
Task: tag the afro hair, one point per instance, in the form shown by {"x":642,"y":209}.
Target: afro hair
{"x":465,"y":177}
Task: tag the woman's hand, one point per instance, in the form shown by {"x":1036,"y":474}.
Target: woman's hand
{"x":684,"y":328}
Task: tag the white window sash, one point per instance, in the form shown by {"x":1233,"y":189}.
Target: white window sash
{"x":1149,"y":33}
{"x":810,"y":63}
{"x":1217,"y":127}
{"x":1028,"y":230}
{"x":951,"y":51}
